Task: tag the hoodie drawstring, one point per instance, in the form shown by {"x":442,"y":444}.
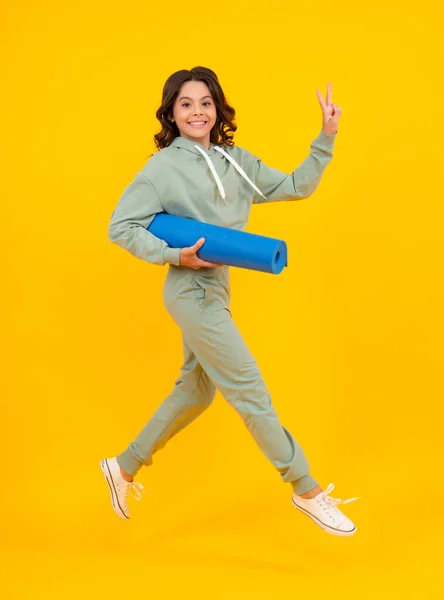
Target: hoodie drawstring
{"x":213,"y":170}
{"x":236,"y":166}
{"x":239,"y":170}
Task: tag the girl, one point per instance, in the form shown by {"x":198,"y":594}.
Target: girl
{"x":201,"y":174}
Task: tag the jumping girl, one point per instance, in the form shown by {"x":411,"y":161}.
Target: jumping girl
{"x":199,"y":173}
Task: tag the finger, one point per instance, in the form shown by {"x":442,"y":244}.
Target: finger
{"x":204,"y":263}
{"x":321,"y":100}
{"x":329,"y":94}
{"x":198,"y":244}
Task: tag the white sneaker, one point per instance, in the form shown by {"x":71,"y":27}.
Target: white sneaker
{"x":119,"y":487}
{"x":322,"y":509}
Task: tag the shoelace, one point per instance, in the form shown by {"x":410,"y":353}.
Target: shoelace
{"x":136,"y":489}
{"x":323,"y":497}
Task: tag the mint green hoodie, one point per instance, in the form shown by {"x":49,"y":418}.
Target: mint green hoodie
{"x":216,"y":186}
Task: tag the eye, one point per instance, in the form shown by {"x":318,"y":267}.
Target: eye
{"x":187,"y":103}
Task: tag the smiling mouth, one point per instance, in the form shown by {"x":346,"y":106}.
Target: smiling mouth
{"x":198,"y":124}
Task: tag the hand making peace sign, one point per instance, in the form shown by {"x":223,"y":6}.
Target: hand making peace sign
{"x":330,"y":112}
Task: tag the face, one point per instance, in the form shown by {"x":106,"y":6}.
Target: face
{"x":194,"y":104}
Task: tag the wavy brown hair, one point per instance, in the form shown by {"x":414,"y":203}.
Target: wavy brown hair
{"x":223,"y":129}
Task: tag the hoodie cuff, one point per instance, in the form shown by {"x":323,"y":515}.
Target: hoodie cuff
{"x":327,"y":138}
{"x":171,"y":255}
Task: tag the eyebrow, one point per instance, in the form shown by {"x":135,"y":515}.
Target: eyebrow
{"x":188,"y":98}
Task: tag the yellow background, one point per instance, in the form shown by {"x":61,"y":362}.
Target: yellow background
{"x":349,"y":337}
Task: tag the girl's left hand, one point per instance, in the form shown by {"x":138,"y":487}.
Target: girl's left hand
{"x":330,"y":112}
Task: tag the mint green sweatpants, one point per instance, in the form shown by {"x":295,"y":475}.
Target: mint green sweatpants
{"x":215,"y":357}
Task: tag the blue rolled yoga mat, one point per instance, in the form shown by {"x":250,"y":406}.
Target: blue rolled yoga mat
{"x":223,"y":245}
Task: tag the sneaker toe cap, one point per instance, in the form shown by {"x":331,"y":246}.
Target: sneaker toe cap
{"x":347,"y":525}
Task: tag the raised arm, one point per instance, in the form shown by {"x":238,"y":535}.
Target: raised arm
{"x":277,"y":185}
{"x":303,"y":181}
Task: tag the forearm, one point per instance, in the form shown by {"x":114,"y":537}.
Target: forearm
{"x":135,"y":211}
{"x":141,"y":243}
{"x":307,"y":176}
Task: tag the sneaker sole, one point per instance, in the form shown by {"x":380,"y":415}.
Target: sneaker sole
{"x":112,"y":489}
{"x":323,"y":526}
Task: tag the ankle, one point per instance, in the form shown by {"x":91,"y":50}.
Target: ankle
{"x":312,"y":493}
{"x":125,"y":475}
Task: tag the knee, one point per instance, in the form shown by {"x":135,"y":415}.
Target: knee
{"x":247,"y":375}
{"x":202,"y":393}
{"x":204,"y":390}
{"x":251,"y":392}
{"x":251,"y":387}
{"x":208,"y":394}
{"x":256,"y":408}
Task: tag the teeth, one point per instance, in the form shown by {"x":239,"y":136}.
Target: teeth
{"x":197,"y":123}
